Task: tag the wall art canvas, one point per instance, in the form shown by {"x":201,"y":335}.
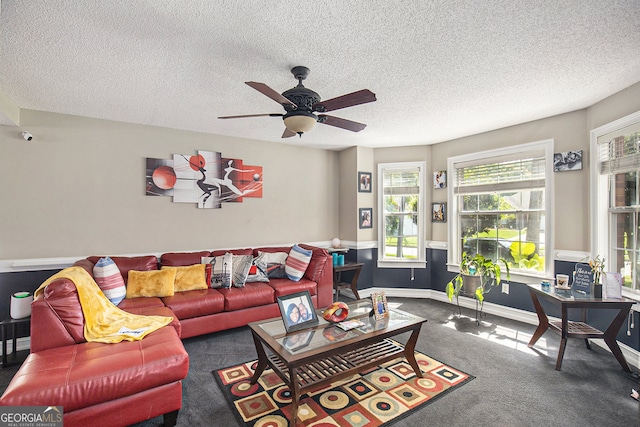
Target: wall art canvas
{"x":567,"y":161}
{"x":206,"y":179}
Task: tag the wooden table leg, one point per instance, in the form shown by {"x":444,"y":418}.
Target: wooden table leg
{"x":262,"y":360}
{"x":354,"y":283}
{"x":295,"y":394}
{"x":543,"y":320}
{"x":610,"y":338}
{"x":564,"y":336}
{"x":409,"y":351}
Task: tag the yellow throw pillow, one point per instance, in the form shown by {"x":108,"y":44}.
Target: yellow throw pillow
{"x":154,"y":283}
{"x":189,"y":277}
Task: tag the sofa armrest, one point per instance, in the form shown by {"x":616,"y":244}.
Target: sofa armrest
{"x":320,"y":270}
{"x":48,"y":329}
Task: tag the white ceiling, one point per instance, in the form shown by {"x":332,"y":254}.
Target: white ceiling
{"x":440,"y":69}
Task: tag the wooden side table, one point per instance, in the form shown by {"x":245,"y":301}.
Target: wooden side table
{"x":14,"y":332}
{"x":337,"y":278}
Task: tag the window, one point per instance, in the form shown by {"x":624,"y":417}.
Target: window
{"x":500,"y":205}
{"x":616,"y":205}
{"x":402,"y":219}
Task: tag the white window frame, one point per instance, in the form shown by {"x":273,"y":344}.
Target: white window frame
{"x":421,"y":260}
{"x":454,"y":253}
{"x":600,"y":193}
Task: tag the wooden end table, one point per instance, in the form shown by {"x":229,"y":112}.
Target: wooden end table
{"x":572,"y":329}
{"x":322,"y":354}
{"x":14,"y":331}
{"x":337,"y":277}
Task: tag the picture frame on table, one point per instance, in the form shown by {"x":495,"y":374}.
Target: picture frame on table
{"x":364,"y":182}
{"x":297,"y":311}
{"x":380,"y":306}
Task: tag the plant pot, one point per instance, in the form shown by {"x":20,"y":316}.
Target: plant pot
{"x":470,"y":284}
{"x":596,"y":290}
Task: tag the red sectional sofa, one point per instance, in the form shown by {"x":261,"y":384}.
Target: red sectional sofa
{"x":132,"y":381}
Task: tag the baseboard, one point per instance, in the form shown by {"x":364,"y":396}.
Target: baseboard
{"x":631,"y":355}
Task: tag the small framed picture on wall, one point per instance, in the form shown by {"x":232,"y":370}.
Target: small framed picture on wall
{"x":439,"y":212}
{"x":366,"y":218}
{"x":364,"y":182}
{"x":440,"y":179}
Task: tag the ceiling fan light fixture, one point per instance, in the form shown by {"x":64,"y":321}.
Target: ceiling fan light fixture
{"x":300,"y":123}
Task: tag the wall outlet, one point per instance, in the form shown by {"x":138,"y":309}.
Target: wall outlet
{"x":505,"y":288}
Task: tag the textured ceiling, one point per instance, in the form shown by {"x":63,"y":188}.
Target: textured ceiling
{"x":440,"y":69}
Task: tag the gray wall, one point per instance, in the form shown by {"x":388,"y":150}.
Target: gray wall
{"x":78,"y":189}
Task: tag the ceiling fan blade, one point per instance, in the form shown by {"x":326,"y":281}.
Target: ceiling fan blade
{"x":266,"y":90}
{"x":288,"y":133}
{"x":341,"y":123}
{"x":356,"y":98}
{"x":252,"y":115}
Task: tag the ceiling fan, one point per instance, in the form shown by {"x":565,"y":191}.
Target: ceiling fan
{"x":301,"y":104}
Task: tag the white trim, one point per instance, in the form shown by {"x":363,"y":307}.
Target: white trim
{"x":599,"y":186}
{"x":421,"y":260}
{"x":572,"y":256}
{"x":434,"y":244}
{"x":546,"y":145}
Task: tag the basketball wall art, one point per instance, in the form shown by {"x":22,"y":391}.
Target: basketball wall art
{"x":207,"y":179}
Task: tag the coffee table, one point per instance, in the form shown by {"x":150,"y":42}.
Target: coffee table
{"x":325,"y":353}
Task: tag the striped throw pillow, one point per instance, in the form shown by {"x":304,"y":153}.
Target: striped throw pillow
{"x":108,"y":277}
{"x":297,"y":262}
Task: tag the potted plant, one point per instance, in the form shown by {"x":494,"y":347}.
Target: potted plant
{"x":476,"y":277}
{"x":597,"y":268}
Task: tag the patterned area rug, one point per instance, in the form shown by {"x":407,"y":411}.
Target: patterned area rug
{"x":377,"y":397}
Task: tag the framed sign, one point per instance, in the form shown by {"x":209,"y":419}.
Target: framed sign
{"x":582,"y":278}
{"x":364,"y":182}
{"x":297,"y":311}
{"x":380,"y":307}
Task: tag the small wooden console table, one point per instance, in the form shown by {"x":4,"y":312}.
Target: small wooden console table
{"x":571,"y":329}
{"x":337,"y":277}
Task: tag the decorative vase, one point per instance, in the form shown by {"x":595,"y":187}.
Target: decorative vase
{"x":336,"y":312}
{"x":470,"y":284}
{"x":596,"y":290}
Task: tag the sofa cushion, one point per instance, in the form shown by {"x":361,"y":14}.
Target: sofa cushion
{"x":174,"y":259}
{"x":157,"y":283}
{"x":286,"y":287}
{"x":241,"y":266}
{"x":275,"y":262}
{"x":189,"y":278}
{"x":258,"y":270}
{"x":139,"y":263}
{"x":221,"y":270}
{"x":128,"y":304}
{"x":297,"y":262}
{"x":251,"y":295}
{"x":220,"y":252}
{"x":188,"y":304}
{"x":109,"y":279}
{"x":318,"y":262}
{"x":87,"y":374}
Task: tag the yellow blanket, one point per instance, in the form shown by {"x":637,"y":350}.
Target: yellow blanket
{"x":103,"y":321}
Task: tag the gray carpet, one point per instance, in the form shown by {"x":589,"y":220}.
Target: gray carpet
{"x":514,"y":386}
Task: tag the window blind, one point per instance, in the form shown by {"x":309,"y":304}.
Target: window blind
{"x":620,"y":154}
{"x":503,"y":175}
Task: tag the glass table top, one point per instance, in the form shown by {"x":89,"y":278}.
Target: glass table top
{"x":325,"y":332}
